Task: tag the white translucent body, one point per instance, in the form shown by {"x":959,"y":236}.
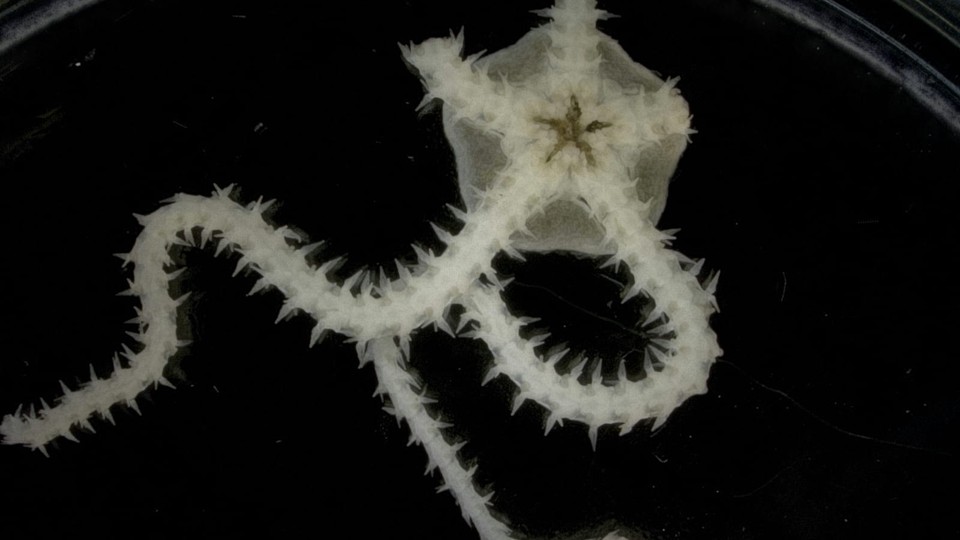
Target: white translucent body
{"x":569,"y":146}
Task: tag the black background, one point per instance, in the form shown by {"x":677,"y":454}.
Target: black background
{"x":823,"y":192}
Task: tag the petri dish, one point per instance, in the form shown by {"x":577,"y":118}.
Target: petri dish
{"x":821,"y":183}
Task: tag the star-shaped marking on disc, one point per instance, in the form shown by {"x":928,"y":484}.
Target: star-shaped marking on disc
{"x":569,"y":130}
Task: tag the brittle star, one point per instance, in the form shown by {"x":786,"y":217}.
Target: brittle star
{"x":589,"y":169}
